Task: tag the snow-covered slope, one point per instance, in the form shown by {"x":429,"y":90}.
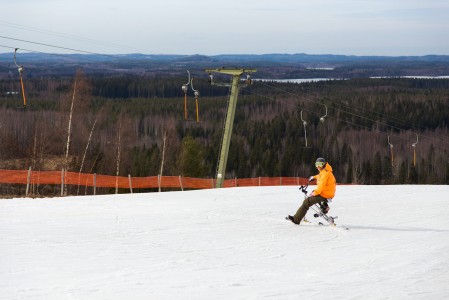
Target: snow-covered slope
{"x":227,"y":244}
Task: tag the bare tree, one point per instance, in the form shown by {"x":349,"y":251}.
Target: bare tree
{"x":118,"y":154}
{"x":80,"y":96}
{"x":84,"y":156}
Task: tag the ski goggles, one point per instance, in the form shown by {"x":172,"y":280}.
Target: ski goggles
{"x":320,"y":164}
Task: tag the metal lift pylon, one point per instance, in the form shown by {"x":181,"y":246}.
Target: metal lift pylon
{"x":227,"y":131}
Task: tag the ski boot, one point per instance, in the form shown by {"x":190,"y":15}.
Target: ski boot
{"x":290,"y":218}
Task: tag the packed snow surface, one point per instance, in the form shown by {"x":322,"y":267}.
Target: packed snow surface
{"x":229,"y":243}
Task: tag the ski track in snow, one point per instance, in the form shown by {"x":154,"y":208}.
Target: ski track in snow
{"x":227,"y":244}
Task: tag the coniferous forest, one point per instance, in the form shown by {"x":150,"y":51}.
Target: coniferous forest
{"x":371,"y":130}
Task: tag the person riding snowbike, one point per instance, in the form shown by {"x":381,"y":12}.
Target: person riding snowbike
{"x":326,"y":186}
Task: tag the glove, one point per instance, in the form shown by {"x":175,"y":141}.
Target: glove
{"x":311,"y":178}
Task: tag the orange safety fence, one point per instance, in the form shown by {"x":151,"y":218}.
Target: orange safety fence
{"x":108,"y":181}
{"x":264,"y":181}
{"x":197,"y":183}
{"x":169,"y":182}
{"x":7,"y":176}
{"x":248,"y":181}
{"x":144,"y":182}
{"x":72,"y":178}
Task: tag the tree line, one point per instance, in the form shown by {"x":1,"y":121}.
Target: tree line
{"x":119,"y":125}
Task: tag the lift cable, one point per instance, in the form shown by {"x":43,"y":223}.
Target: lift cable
{"x":351,"y":113}
{"x":78,"y":58}
{"x":54,"y":46}
{"x":366,"y":128}
{"x":346,"y":121}
{"x":277,"y":88}
{"x":391,"y":118}
{"x":67,"y":36}
{"x":355,"y":124}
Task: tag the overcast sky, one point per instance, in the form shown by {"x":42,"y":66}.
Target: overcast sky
{"x":351,"y":27}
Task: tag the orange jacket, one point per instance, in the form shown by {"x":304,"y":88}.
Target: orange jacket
{"x":326,"y":183}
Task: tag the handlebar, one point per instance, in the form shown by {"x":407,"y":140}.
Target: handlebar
{"x":303,"y":188}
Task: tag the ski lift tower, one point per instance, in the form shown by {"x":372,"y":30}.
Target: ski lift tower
{"x":232,"y":103}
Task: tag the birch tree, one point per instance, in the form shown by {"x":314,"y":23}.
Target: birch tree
{"x":80,"y":95}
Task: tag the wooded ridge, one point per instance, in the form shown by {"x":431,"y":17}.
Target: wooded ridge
{"x":132,"y":114}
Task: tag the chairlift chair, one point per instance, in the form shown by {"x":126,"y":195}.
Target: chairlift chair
{"x":304,"y":123}
{"x":20,"y":70}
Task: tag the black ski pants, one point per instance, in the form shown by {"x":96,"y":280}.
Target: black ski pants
{"x":308,"y":202}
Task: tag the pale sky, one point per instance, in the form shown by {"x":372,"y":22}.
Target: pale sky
{"x":349,"y":27}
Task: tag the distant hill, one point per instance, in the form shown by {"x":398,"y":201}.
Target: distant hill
{"x":299,"y":65}
{"x":274,"y":58}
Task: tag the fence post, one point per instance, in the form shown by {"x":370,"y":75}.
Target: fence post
{"x":180,"y":183}
{"x":259,"y":180}
{"x":159,"y":179}
{"x":62,"y":182}
{"x":95,"y":184}
{"x":130,"y":183}
{"x":235,"y":181}
{"x":28,"y":182}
